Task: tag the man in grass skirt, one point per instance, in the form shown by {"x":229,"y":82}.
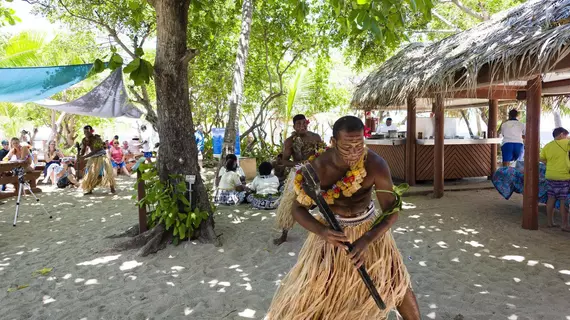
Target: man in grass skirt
{"x":325,"y":283}
{"x":98,"y":169}
{"x":300,"y":146}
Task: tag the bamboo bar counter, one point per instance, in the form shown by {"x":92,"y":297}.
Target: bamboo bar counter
{"x":463,"y":158}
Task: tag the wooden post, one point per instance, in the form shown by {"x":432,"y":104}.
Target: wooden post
{"x":142,"y":209}
{"x":492,"y":132}
{"x":438,"y":167}
{"x":531,"y":154}
{"x":410,"y":161}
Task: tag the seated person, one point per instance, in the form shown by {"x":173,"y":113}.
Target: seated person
{"x":265,"y":189}
{"x":20,"y":153}
{"x":64,"y":174}
{"x":239,"y":170}
{"x":231,"y":190}
{"x":118,"y":159}
{"x":51,"y":157}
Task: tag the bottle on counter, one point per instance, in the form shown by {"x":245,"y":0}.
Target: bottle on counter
{"x":420,"y":135}
{"x":484,"y":134}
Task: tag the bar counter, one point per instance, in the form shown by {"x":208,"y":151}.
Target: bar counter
{"x":463,"y":158}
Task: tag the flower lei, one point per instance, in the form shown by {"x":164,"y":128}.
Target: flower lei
{"x":348,"y":185}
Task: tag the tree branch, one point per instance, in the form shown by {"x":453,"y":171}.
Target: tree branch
{"x":444,"y":20}
{"x":469,"y":11}
{"x":190,"y":54}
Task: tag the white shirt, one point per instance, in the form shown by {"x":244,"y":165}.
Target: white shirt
{"x":229,"y":181}
{"x":145,"y":136}
{"x":265,"y":185}
{"x":384,"y":128}
{"x":512,"y":131}
{"x":239,"y":170}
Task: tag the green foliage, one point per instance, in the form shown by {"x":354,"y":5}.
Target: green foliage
{"x":171,"y":207}
{"x":7,"y":15}
{"x":259,"y":152}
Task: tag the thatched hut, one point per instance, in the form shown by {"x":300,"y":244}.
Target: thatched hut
{"x":519,"y":54}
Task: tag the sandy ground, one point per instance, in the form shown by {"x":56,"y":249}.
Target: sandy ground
{"x":467,"y":255}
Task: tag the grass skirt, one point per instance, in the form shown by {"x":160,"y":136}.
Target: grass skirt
{"x":99,"y":172}
{"x":324,"y":284}
{"x":284,"y":216}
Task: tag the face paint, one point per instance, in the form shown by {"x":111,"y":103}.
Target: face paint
{"x":350,"y":146}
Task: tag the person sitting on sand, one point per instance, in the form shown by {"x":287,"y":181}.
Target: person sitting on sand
{"x":555,"y":156}
{"x":64,"y":174}
{"x":118,"y":159}
{"x":265,"y":189}
{"x":231,"y":190}
{"x":239,"y":170}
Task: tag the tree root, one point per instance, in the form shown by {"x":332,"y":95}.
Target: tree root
{"x":149,"y":241}
{"x":207,"y":233}
{"x":130,"y":232}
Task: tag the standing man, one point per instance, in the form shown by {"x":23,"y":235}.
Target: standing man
{"x":98,"y":169}
{"x":384,"y":128}
{"x":300,"y":145}
{"x":555,"y":156}
{"x":145,"y":143}
{"x":199,"y":135}
{"x":513,"y":132}
{"x":324,"y":284}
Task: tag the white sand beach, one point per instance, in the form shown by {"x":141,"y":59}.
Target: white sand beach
{"x":467,"y":255}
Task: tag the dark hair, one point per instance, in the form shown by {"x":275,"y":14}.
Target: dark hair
{"x":389,"y":119}
{"x":265,"y":168}
{"x":299,"y":117}
{"x":231,"y":165}
{"x":116,"y":137}
{"x":513,"y":114}
{"x":558,"y":131}
{"x":231,"y":156}
{"x":143,"y":126}
{"x":347,"y":124}
{"x":88,"y":127}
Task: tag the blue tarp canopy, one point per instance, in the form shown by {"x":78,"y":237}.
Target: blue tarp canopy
{"x":37,"y":83}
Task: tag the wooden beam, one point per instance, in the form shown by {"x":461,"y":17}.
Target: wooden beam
{"x":531,"y":154}
{"x":492,"y":132}
{"x":411,"y":142}
{"x":500,"y":92}
{"x":438,"y":169}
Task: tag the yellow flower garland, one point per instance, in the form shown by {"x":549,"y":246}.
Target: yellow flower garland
{"x":348,"y":185}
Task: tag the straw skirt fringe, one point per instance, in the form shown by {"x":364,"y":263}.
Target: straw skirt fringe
{"x":98,"y":166}
{"x":284,"y":217}
{"x":324,"y":284}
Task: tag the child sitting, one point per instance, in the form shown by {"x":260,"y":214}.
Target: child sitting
{"x":231,"y":190}
{"x":64,"y":174}
{"x":265,"y":187}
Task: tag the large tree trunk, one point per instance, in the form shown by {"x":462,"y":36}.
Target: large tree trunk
{"x":178,"y":151}
{"x":237,"y":83}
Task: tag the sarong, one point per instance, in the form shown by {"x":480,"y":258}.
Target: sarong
{"x":268,"y":202}
{"x":324,"y":284}
{"x":99,"y":172}
{"x":229,"y":197}
{"x":284,"y":216}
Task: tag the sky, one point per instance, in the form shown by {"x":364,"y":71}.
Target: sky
{"x":29,"y":21}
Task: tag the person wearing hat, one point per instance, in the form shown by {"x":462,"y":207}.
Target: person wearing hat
{"x":388,"y":126}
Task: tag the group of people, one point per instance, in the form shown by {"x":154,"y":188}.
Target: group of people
{"x":262,"y":193}
{"x":324,"y":282}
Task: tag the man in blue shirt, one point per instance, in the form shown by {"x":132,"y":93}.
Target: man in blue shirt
{"x":199,"y":134}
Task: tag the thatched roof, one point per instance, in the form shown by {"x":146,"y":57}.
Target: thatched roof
{"x":523,"y":41}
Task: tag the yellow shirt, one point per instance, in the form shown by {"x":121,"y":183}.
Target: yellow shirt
{"x":556,"y":155}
